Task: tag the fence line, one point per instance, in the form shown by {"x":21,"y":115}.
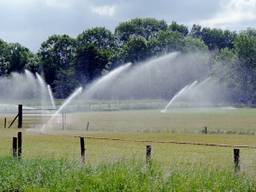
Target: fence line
{"x":173,"y":142}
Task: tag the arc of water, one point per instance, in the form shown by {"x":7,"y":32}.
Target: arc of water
{"x":203,"y":82}
{"x":69,"y":99}
{"x":190,"y":88}
{"x":192,"y":85}
{"x":40,"y":80}
{"x":51,"y":96}
{"x":65,"y":103}
{"x":169,"y":56}
{"x":44,"y":92}
{"x":175,"y":97}
{"x":93,"y":88}
{"x":29,"y":75}
{"x":185,"y":90}
{"x":31,"y":82}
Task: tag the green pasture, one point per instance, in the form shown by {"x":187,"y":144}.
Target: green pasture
{"x":61,"y":175}
{"x":192,"y":120}
{"x":225,"y":126}
{"x":115,"y":149}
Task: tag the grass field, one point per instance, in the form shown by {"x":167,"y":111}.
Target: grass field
{"x":232,"y":127}
{"x":52,"y":175}
{"x":122,"y":136}
{"x":238,"y":121}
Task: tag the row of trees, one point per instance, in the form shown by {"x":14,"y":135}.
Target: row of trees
{"x":67,"y":62}
{"x":236,"y":67}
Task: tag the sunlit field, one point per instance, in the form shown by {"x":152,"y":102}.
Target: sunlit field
{"x":117,"y":139}
{"x":187,"y":120}
{"x":124,"y":134}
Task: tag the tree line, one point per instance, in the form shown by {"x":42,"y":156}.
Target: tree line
{"x":66,"y":61}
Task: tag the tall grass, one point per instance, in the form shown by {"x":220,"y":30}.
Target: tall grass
{"x":62,"y":175}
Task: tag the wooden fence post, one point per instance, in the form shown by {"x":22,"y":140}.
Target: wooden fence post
{"x":148,"y":153}
{"x":5,"y":122}
{"x":82,"y":148}
{"x":19,"y":144}
{"x":20,"y":116}
{"x":87,"y":126}
{"x":205,"y":130}
{"x":14,"y":147}
{"x":63,"y":121}
{"x":237,"y":159}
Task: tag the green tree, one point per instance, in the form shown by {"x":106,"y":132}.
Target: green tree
{"x":99,"y":37}
{"x":4,"y":62}
{"x":56,"y":55}
{"x":90,"y":62}
{"x":175,"y":27}
{"x":214,"y":38}
{"x":194,"y":44}
{"x":165,"y":42}
{"x":64,"y":83}
{"x":196,"y":31}
{"x":33,"y":64}
{"x":225,"y":66}
{"x":96,"y":48}
{"x":17,"y":56}
{"x":228,"y":70}
{"x":144,"y":27}
{"x":134,"y":50}
{"x":245,"y":46}
{"x":217,"y":38}
{"x":14,"y":57}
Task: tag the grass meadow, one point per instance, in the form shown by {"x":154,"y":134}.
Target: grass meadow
{"x":115,"y":153}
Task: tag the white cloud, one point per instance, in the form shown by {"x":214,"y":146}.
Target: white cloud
{"x":105,"y":10}
{"x":32,"y":21}
{"x":233,"y":12}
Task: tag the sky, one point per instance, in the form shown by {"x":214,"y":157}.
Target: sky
{"x":30,"y":22}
